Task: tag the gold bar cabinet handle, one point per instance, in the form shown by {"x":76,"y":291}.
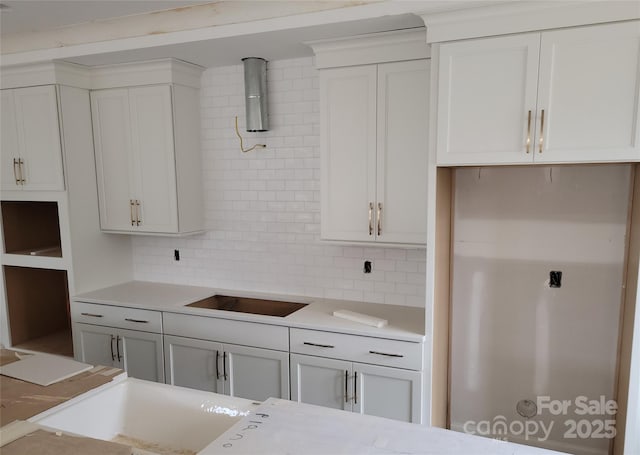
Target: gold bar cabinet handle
{"x":15,"y":174}
{"x":541,"y":142}
{"x":529,"y":132}
{"x":20,"y":164}
{"x":138,"y":220}
{"x":131,"y":208}
{"x":379,"y":218}
{"x":370,"y":218}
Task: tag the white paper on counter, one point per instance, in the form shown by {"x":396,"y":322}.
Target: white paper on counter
{"x":44,"y":369}
{"x":286,"y":427}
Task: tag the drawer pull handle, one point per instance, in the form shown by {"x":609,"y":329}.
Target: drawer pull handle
{"x":113,"y":356}
{"x":217,"y":360}
{"x":91,"y":315}
{"x":541,"y":143}
{"x":529,"y":132}
{"x":318,"y":345}
{"x":118,"y":348}
{"x":346,"y":386}
{"x":225,"y":376}
{"x":139,"y":321}
{"x":355,"y":387}
{"x":385,"y":354}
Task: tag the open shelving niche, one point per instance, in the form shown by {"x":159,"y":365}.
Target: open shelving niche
{"x":36,"y":276}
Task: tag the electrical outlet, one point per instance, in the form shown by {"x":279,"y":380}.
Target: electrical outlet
{"x":555,"y":279}
{"x":367,"y":267}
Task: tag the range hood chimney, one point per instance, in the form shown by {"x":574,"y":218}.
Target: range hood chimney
{"x":255,"y":92}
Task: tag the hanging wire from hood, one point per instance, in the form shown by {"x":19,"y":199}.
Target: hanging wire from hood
{"x":241,"y":144}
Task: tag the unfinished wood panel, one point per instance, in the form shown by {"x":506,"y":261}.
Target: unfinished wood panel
{"x":31,"y":227}
{"x":59,"y":343}
{"x":37,"y":302}
{"x":50,"y":443}
{"x":440,"y":375}
{"x":628,"y":315}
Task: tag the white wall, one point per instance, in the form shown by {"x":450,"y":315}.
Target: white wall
{"x":262,"y":208}
{"x":514,"y":337}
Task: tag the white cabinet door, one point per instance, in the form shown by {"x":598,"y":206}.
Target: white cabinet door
{"x":387,"y":392}
{"x":348,"y":161}
{"x":320,"y":381}
{"x":153,"y":158}
{"x":114,"y":158}
{"x":31,"y":137}
{"x":589,"y":91}
{"x":39,"y":138}
{"x":487,"y":92}
{"x":9,"y":153}
{"x":94,"y":344}
{"x":194,"y":363}
{"x":402,"y":151}
{"x":135,"y":159}
{"x":256,"y":374}
{"x":140,"y":354}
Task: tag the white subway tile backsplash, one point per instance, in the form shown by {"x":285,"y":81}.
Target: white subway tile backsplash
{"x":262,"y":208}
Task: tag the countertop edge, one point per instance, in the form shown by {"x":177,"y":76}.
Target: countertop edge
{"x":316,"y":309}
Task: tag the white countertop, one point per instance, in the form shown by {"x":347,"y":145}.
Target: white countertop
{"x":285,"y":427}
{"x":405,"y":323}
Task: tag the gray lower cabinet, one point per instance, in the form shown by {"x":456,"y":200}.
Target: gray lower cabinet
{"x":138,"y":353}
{"x":366,"y":389}
{"x":234,"y":370}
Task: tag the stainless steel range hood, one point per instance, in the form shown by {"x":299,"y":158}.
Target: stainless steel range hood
{"x":255,"y":90}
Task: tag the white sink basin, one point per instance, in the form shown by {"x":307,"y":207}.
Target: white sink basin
{"x":155,"y":417}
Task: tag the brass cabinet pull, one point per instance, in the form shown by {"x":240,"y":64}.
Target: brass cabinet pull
{"x":346,"y":386}
{"x":379,"y":218}
{"x":20,"y":164}
{"x":118,"y":338}
{"x":370,"y":218}
{"x":541,"y":142}
{"x":139,"y":321}
{"x":15,"y":174}
{"x":113,"y":356}
{"x":529,"y":132}
{"x":355,"y":387}
{"x":131,"y":208}
{"x":318,"y":345}
{"x":138,"y":220}
{"x":92,"y":315}
{"x":385,"y":354}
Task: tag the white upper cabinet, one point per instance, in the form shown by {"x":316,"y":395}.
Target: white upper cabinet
{"x":140,"y":185}
{"x":487,"y":100}
{"x":589,"y":90}
{"x":31,"y":147}
{"x":348,"y":132}
{"x":552,"y":97}
{"x":374,"y":122}
{"x":402,"y":144}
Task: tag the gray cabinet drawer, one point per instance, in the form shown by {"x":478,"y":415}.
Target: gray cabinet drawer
{"x":376,"y":351}
{"x":117,"y":316}
{"x":227,"y":331}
